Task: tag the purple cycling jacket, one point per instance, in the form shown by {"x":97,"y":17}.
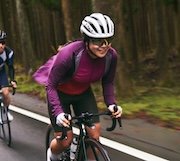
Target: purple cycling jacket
{"x":88,"y":71}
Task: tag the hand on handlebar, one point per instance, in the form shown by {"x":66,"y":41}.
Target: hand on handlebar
{"x":117,"y":113}
{"x":14,"y":84}
{"x":61,"y":120}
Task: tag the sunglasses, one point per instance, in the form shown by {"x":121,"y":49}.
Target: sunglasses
{"x":2,"y":42}
{"x":100,"y":42}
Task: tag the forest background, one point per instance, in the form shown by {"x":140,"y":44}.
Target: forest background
{"x":147,"y":39}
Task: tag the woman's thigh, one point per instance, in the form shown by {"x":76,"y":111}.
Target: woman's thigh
{"x":86,"y":103}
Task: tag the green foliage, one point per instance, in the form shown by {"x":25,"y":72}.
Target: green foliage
{"x":160,"y":104}
{"x":28,"y":86}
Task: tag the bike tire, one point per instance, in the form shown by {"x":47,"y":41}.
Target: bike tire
{"x":6,"y":129}
{"x":100,"y":154}
{"x":49,"y":138}
{"x":1,"y":121}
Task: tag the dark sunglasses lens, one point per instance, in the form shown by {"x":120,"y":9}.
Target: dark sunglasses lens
{"x":100,"y":42}
{"x":96,"y":41}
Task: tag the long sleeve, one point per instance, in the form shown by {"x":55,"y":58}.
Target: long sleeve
{"x":107,"y":81}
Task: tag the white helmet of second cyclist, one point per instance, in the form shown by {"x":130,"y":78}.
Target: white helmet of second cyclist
{"x":97,"y":25}
{"x":2,"y":35}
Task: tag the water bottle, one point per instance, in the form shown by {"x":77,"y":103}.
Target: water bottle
{"x":73,"y":149}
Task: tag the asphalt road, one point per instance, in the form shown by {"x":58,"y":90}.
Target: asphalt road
{"x":28,"y":142}
{"x":29,"y":134}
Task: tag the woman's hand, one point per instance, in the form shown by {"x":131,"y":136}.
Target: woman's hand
{"x":62,"y":121}
{"x":116,"y":114}
{"x":14,"y":84}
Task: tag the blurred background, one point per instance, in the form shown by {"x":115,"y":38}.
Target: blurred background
{"x":147,"y":39}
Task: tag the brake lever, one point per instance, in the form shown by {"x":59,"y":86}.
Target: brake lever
{"x":120,"y":123}
{"x":14,"y":91}
{"x":114,"y":121}
{"x":119,"y":119}
{"x":113,"y":125}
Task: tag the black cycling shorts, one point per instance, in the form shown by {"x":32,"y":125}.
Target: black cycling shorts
{"x":81,"y":103}
{"x":3,"y":78}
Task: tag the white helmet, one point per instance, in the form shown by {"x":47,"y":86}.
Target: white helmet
{"x":97,"y":25}
{"x":2,"y":35}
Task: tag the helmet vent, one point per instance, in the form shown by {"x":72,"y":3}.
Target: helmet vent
{"x":97,"y":25}
{"x":94,"y":28}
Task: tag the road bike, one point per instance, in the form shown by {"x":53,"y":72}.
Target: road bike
{"x":5,"y":129}
{"x":83,"y":140}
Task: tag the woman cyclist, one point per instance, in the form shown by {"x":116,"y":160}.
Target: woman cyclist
{"x":72,"y":73}
{"x":6,"y":57}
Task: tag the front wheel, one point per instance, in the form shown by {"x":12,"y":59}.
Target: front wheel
{"x":97,"y":150}
{"x":5,"y":126}
{"x":49,"y":137}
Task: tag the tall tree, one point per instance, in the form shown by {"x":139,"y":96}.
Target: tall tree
{"x":161,"y":44}
{"x":124,"y":83}
{"x":25,"y":41}
{"x":72,"y":16}
{"x":132,"y":38}
{"x":67,"y":18}
{"x":1,"y":15}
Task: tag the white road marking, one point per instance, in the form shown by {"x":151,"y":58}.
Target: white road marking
{"x":107,"y":142}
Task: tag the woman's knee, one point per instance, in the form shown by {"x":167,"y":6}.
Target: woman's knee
{"x":5,"y":92}
{"x":65,"y":143}
{"x":94,"y":133}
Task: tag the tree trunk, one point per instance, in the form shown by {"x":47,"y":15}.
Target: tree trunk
{"x":132,"y":44}
{"x":161,"y":45}
{"x":67,"y":19}
{"x":25,"y":41}
{"x":123,"y":80}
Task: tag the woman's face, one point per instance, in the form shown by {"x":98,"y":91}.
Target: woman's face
{"x":98,"y":47}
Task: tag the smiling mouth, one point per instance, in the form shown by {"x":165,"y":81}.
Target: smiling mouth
{"x":101,"y":51}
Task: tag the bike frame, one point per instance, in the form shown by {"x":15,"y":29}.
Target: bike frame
{"x":83,"y":133}
{"x":81,"y":142}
